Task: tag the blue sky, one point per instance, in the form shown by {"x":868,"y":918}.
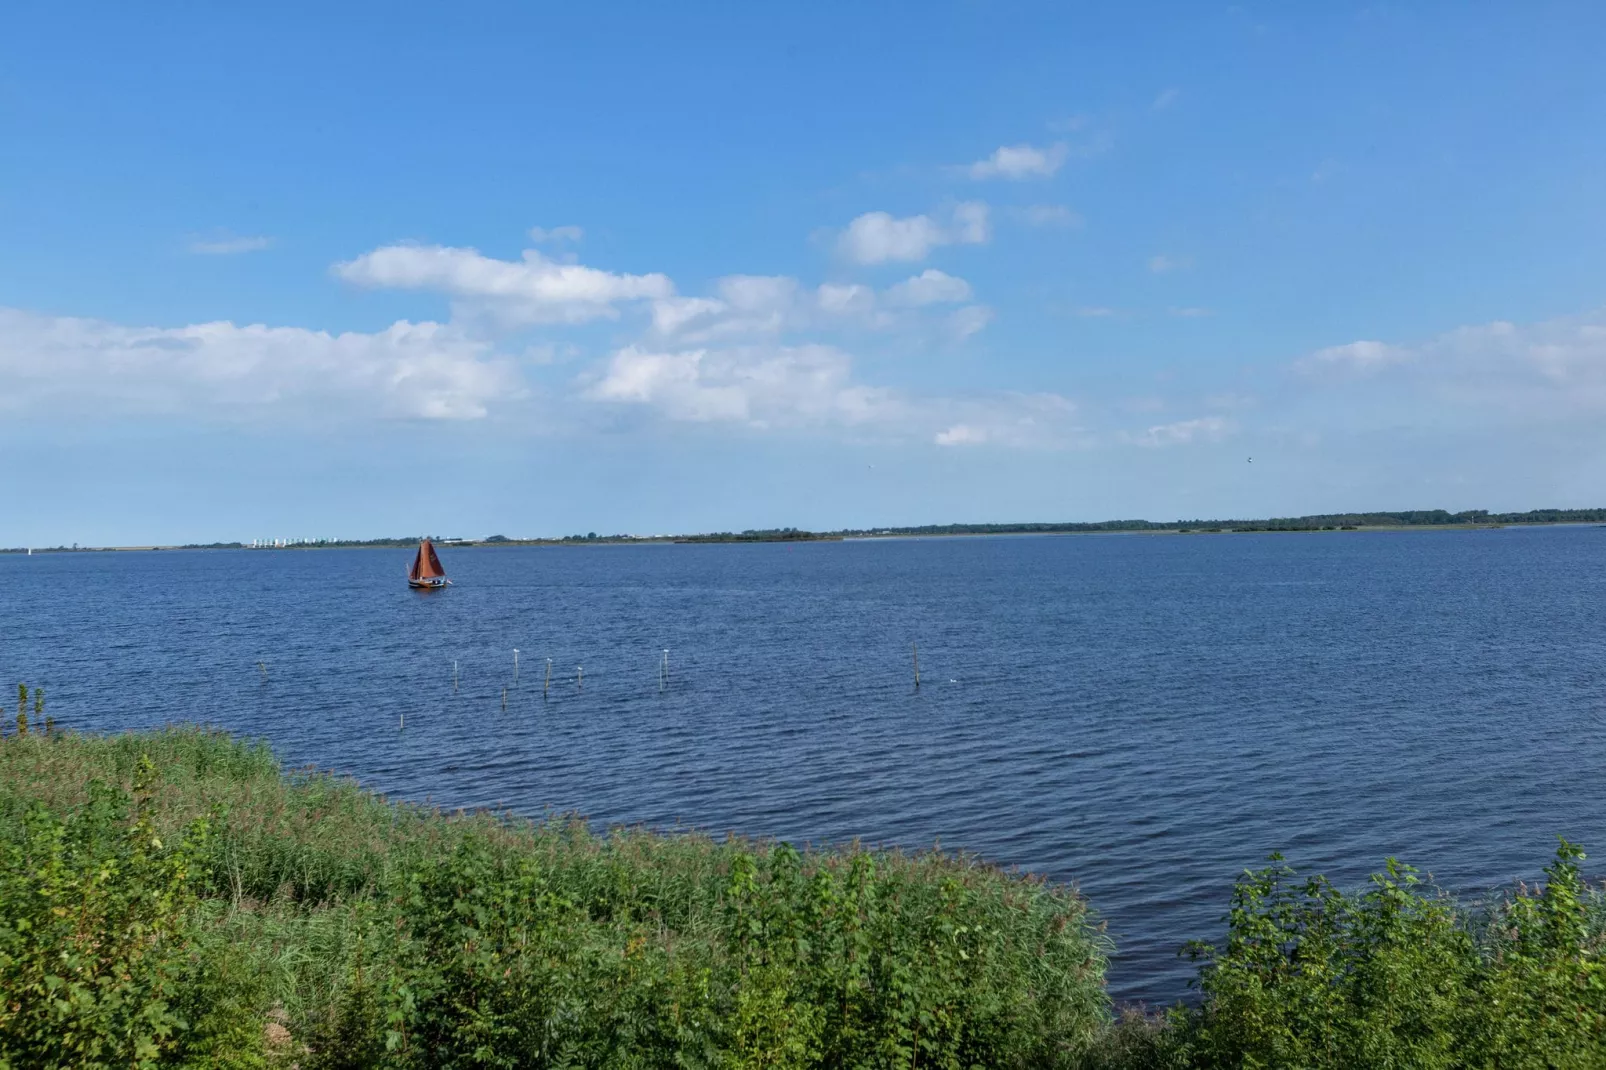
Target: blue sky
{"x":652,"y":268}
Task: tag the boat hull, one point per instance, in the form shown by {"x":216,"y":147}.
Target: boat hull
{"x":427,"y":585}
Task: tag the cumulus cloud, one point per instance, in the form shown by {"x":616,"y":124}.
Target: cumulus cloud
{"x":971,"y":319}
{"x":532,"y":289}
{"x":223,"y":371}
{"x":1020,"y":162}
{"x":930,"y":287}
{"x":846,"y":299}
{"x":761,"y":386}
{"x":1543,"y":370}
{"x":961,"y":435}
{"x":775,"y":305}
{"x":813,"y":387}
{"x":1356,"y":358}
{"x":1183,"y":432}
{"x":879,"y":237}
{"x":223,"y":244}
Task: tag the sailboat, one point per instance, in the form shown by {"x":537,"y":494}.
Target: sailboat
{"x":427,"y":572}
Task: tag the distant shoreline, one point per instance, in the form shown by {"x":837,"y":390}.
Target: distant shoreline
{"x":1422,"y":520}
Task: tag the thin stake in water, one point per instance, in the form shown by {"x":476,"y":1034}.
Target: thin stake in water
{"x":504,"y":698}
{"x":263,"y":669}
{"x":515,"y":665}
{"x":580,"y":676}
{"x":548,"y":685}
{"x":916,"y":651}
{"x":454,"y":674}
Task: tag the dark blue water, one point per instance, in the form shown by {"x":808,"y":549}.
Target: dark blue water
{"x":1144,"y":716}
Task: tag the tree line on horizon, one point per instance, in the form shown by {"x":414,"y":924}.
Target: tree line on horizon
{"x":1313,"y":522}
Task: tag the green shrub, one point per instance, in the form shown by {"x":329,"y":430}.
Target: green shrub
{"x":175,"y":899}
{"x":1399,"y":977}
{"x":95,"y":964}
{"x":352,"y":932}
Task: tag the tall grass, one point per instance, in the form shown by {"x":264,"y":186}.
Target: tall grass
{"x":345,"y":930}
{"x":176,"y":898}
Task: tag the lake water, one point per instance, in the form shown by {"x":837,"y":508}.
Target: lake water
{"x":1143,"y":715}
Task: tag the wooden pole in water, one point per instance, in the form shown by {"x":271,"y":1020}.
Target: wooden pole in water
{"x":504,"y":698}
{"x":454,"y":674}
{"x":515,"y":665}
{"x":548,"y":685}
{"x":580,"y":676}
{"x":916,"y":651}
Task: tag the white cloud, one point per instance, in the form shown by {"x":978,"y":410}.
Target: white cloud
{"x":758,"y":294}
{"x":1357,"y":358}
{"x":1183,"y":432}
{"x":971,"y":224}
{"x":772,"y":306}
{"x":1166,"y":98}
{"x":930,"y":287}
{"x":1019,"y":162}
{"x":971,"y":319}
{"x":223,"y":371}
{"x":672,"y":315}
{"x":1189,"y":312}
{"x":1014,"y":420}
{"x":1162,"y":263}
{"x":1537,"y":371}
{"x":541,"y":235}
{"x":1047,"y":215}
{"x":761,"y":386}
{"x":533,"y":289}
{"x":878,"y":237}
{"x":961,"y":435}
{"x":228,"y":244}
{"x":813,"y":387}
{"x":846,"y":299}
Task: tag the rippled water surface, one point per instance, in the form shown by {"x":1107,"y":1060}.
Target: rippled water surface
{"x":1143,"y":715}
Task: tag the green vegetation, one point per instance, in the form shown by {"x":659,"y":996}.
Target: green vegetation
{"x":761,"y":535}
{"x":1417,"y":518}
{"x":176,"y":899}
{"x":1317,"y":522}
{"x":173,"y":899}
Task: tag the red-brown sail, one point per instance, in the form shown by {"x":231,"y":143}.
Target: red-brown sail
{"x":426,"y":566}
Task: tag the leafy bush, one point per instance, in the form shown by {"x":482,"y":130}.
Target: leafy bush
{"x":175,"y":899}
{"x":95,"y":967}
{"x":304,"y":920}
{"x":1398,"y":976}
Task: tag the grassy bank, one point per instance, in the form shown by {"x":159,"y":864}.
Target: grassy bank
{"x":175,"y":898}
{"x":175,"y":894}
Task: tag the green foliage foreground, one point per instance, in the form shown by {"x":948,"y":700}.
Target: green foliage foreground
{"x":175,"y":899}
